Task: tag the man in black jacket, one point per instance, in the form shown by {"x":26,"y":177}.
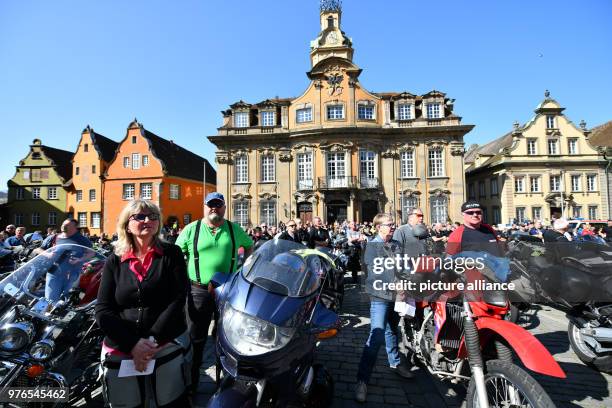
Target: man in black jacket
{"x":318,"y":236}
{"x":291,"y":233}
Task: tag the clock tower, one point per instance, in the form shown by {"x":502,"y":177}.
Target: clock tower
{"x":331,"y":42}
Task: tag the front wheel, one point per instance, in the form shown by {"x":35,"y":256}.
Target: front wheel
{"x":508,"y":385}
{"x":601,"y":362}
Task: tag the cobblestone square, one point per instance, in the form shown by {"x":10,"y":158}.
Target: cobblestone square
{"x":584,"y":387}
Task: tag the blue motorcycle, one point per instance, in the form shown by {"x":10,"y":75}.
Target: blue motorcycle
{"x":271,"y":315}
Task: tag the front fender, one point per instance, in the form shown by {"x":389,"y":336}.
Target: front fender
{"x":232,"y":397}
{"x":529,"y":349}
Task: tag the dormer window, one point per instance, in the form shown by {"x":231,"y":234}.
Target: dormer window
{"x":365,"y":111}
{"x":335,"y":112}
{"x":303,"y":115}
{"x":267,"y":118}
{"x":241,"y":119}
{"x":433,"y":110}
{"x":550,"y":122}
{"x":404,"y":111}
{"x":36,"y":156}
{"x":330,"y":22}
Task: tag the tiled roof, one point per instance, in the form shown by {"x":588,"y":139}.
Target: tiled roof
{"x":180,"y":162}
{"x":602,"y":135}
{"x":62,"y":160}
{"x":490,"y":149}
{"x":105,"y":146}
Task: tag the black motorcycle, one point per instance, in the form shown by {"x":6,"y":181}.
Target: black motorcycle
{"x":44,"y":343}
{"x":271,"y":316}
{"x":576,"y":278}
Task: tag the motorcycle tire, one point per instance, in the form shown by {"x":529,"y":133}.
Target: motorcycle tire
{"x":531,"y":391}
{"x":601,"y":363}
{"x":513,"y":314}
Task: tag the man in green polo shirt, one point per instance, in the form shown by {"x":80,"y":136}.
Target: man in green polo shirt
{"x":217,"y":241}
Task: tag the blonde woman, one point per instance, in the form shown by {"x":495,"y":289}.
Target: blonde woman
{"x":140,"y":309}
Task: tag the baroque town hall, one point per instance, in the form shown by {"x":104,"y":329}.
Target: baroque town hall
{"x":338,"y":150}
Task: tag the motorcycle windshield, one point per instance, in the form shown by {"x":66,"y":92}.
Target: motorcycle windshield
{"x":30,"y":278}
{"x":284,"y":267}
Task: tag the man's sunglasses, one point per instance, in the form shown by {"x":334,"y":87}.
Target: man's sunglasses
{"x":391,"y":225}
{"x":291,"y":225}
{"x":142,"y":217}
{"x":215,"y":204}
{"x":473,"y":212}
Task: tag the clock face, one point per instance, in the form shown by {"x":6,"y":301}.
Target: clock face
{"x":332,"y":37}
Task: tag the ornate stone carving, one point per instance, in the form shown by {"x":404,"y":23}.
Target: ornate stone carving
{"x":438,"y":192}
{"x":223,"y":158}
{"x":267,"y":150}
{"x":334,"y":82}
{"x":336,"y":146}
{"x":267,"y":195}
{"x":457,"y":150}
{"x":285,"y":156}
{"x":408,"y":146}
{"x":318,"y":84}
{"x":241,"y":197}
{"x":352,"y":82}
{"x":436,"y":143}
{"x":303,"y":147}
{"x":389,"y":153}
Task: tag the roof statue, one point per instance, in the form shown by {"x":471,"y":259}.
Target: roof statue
{"x":331,"y":5}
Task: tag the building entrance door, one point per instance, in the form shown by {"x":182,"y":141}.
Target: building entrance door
{"x":336,"y":211}
{"x":304,"y":212}
{"x":555,"y":212}
{"x":369,"y":209}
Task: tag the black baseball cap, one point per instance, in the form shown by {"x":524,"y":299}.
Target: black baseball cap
{"x":470,"y":205}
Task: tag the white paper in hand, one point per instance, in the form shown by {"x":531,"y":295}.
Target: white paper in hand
{"x":127,"y":368}
{"x":405,"y":308}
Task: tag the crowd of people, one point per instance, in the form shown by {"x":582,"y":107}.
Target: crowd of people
{"x":156,"y":298}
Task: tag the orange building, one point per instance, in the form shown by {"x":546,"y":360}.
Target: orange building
{"x":86,"y":188}
{"x":151,"y":167}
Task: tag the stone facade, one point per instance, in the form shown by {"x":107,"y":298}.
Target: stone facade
{"x":338,"y":150}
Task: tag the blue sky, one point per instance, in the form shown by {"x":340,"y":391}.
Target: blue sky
{"x":176,"y":65}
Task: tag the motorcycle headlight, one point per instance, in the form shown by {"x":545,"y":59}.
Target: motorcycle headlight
{"x":251,"y":336}
{"x":16,"y":336}
{"x":42,"y":350}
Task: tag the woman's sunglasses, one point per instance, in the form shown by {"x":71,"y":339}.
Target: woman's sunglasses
{"x":142,"y":217}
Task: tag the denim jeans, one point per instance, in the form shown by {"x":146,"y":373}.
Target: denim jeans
{"x":383,"y":327}
{"x":59,"y":283}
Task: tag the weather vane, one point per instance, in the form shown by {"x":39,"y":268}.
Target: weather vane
{"x":331,"y":5}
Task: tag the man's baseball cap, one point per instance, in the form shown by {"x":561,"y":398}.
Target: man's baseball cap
{"x":214,"y":196}
{"x":470,"y":205}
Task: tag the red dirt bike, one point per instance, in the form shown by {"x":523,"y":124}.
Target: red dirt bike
{"x":447,"y":333}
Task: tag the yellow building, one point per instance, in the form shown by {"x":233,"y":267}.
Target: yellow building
{"x":338,"y":150}
{"x":544,"y":168}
